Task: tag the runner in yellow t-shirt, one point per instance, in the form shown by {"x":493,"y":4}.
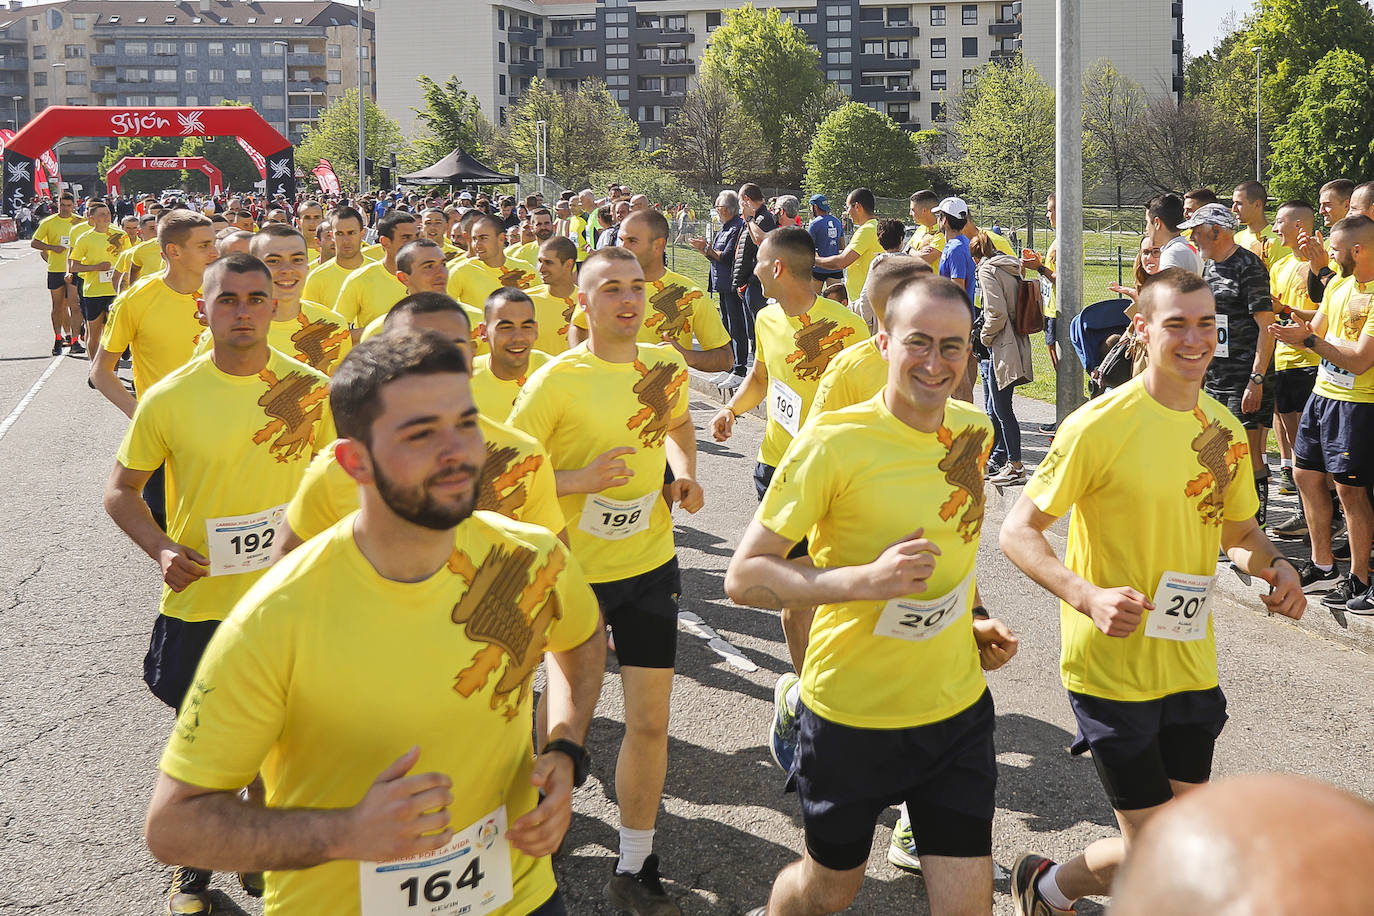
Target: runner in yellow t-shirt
{"x":510,"y":329}
{"x":541,"y":223}
{"x":678,"y":311}
{"x":145,"y":260}
{"x":309,"y":218}
{"x":471,"y":281}
{"x":420,"y":268}
{"x":555,"y":300}
{"x":325,"y":280}
{"x":863,"y":244}
{"x":927,"y":241}
{"x":53,"y":238}
{"x":892,"y":541}
{"x":94,"y":256}
{"x":1247,"y":203}
{"x":127,"y":270}
{"x":399,"y":630}
{"x":370,"y":291}
{"x":1337,"y":425}
{"x":613,"y":415}
{"x":235,"y":429}
{"x":1139,"y":651}
{"x":1049,"y":275}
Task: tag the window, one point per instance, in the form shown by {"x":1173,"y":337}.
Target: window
{"x":215,"y":76}
{"x":899,"y":49}
{"x":871,"y":14}
{"x":618,"y":18}
{"x":837,"y":25}
{"x":135,"y":75}
{"x":137,"y":100}
{"x":39,"y":52}
{"x":189,"y":49}
{"x":333,"y":76}
{"x":675,"y":24}
{"x":501,"y":51}
{"x":164,"y":48}
{"x":243,"y":76}
{"x":501,"y":84}
{"x":970,"y":78}
{"x":650,"y":52}
{"x":621,"y":80}
{"x":301,"y":76}
{"x":652,"y":114}
{"x":840,"y":43}
{"x":267,"y":49}
{"x":712,"y":22}
{"x":647,"y":22}
{"x":836,"y":10}
{"x":501,"y":20}
{"x":806,"y":17}
{"x":165,"y":100}
{"x":76,"y":77}
{"x":676,"y":85}
{"x":937,"y":111}
{"x":74,"y":52}
{"x":335,"y":51}
{"x":243,"y":48}
{"x":216,"y":99}
{"x":898,"y":16}
{"x":937,"y":15}
{"x":872,"y":46}
{"x":39,"y":104}
{"x":165,"y":76}
{"x":970,"y":13}
{"x":366,"y":52}
{"x":677,"y":54}
{"x":586,"y":25}
{"x":215,"y":49}
{"x":970,"y":47}
{"x":938,"y":81}
{"x":838,"y":57}
{"x":650,"y":84}
{"x":937,"y":47}
{"x":617,"y":63}
{"x":837,"y":75}
{"x":272,"y":75}
{"x":78,"y":100}
{"x":619,"y":31}
{"x":40,"y":79}
{"x":899,"y":112}
{"x":79,"y":22}
{"x":189,"y":76}
{"x":136,"y":48}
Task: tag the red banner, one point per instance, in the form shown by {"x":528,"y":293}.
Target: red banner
{"x":40,"y":177}
{"x":324,"y":174}
{"x":177,"y":163}
{"x":256,"y":156}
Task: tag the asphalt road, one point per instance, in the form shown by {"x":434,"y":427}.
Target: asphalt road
{"x":80,"y":734}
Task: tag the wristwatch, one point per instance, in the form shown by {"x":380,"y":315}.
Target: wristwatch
{"x":1309,"y":341}
{"x":582,"y":761}
{"x":1256,"y":378}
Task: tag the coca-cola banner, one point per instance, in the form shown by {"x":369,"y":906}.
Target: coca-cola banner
{"x":192,"y":163}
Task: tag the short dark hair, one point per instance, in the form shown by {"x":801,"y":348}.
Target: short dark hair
{"x":1167,"y":208}
{"x":504,"y":294}
{"x":426,"y":303}
{"x":794,"y":247}
{"x":278,"y":231}
{"x":751,"y":191}
{"x":890,"y":232}
{"x":232,"y":264}
{"x":657,"y":223}
{"x":345,"y":212}
{"x":355,"y":391}
{"x":1252,"y":191}
{"x":1357,"y":223}
{"x":926,"y":198}
{"x":1343,"y":187}
{"x":1205,"y":195}
{"x":1171,"y":279}
{"x":957,"y":223}
{"x":306,"y":204}
{"x":541,"y":211}
{"x":175,"y":226}
{"x":1300,"y":205}
{"x":928,"y":285}
{"x":405,"y":258}
{"x":864,"y":198}
{"x":386,"y":228}
{"x":66,"y":195}
{"x":612,"y":253}
{"x":561,"y":247}
{"x":495,"y":222}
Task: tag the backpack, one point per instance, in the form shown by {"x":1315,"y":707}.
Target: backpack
{"x":1029,"y":317}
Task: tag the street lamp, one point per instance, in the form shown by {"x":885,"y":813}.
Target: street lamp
{"x":16,"y":99}
{"x":285,"y":101}
{"x":362,"y":124}
{"x":1259,"y":155}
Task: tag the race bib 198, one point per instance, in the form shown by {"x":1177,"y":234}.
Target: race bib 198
{"x":243,"y":543}
{"x":785,"y":406}
{"x":470,"y":875}
{"x":1223,"y":337}
{"x":615,"y":519}
{"x":1183,"y":604}
{"x":918,"y":621}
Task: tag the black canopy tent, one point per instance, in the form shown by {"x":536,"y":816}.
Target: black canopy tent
{"x":458,"y":168}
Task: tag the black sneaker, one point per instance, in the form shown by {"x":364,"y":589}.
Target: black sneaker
{"x":1025,"y":895}
{"x":76,"y":349}
{"x":1047,"y":429}
{"x":1363,"y":603}
{"x":189,"y":894}
{"x":1310,"y":574}
{"x":1346,"y":589}
{"x":1340,"y":548}
{"x":1291,"y":528}
{"x":1286,"y":485}
{"x":57,"y":346}
{"x":642,"y":894}
{"x":252,"y":883}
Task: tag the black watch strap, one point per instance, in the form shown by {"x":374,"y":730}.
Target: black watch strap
{"x":1309,"y":341}
{"x":582,"y":761}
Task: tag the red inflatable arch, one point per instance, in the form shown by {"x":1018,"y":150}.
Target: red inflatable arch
{"x":178,"y":163}
{"x":58,"y":121}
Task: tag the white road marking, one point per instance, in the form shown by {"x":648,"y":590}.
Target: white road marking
{"x":693,"y":624}
{"x":29,"y":396}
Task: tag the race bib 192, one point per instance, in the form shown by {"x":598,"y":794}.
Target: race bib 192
{"x":470,"y":875}
{"x":243,"y":543}
{"x":785,"y":406}
{"x":1183,"y":604}
{"x":918,"y":621}
{"x":616,"y":519}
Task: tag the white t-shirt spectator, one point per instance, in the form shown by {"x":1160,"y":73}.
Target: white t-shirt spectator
{"x":1178,"y":253}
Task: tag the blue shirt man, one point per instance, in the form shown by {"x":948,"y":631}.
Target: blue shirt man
{"x":828,"y":234}
{"x":956,"y":262}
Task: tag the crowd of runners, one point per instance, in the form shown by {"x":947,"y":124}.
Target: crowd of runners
{"x":394,"y":457}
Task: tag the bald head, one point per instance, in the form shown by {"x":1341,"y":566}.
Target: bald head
{"x":1257,"y":844}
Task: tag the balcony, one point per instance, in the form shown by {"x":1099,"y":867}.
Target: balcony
{"x":19,"y":64}
{"x":305,"y":60}
{"x":106,"y":60}
{"x":522,"y":36}
{"x":1178,"y":46}
{"x":1009,"y":27}
{"x":315,"y":86}
{"x":676,"y":66}
{"x":1000,"y":54}
{"x":524,"y":68}
{"x":877,"y":28}
{"x":110,"y":87}
{"x":572,"y":40}
{"x":304,"y":112}
{"x":672,"y":36}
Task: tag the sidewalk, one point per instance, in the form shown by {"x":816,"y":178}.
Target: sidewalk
{"x":1352,"y":630}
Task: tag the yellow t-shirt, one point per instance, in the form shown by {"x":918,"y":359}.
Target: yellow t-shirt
{"x":516,"y":480}
{"x":864,"y":241}
{"x":796,"y":352}
{"x":368,"y":293}
{"x":233,"y":446}
{"x":479,"y":346}
{"x":496,"y":396}
{"x":158,"y":324}
{"x":1049,"y":296}
{"x":675,"y":305}
{"x":526,"y":253}
{"x":554,"y":314}
{"x":374,"y":252}
{"x":1348,"y":317}
{"x":580,"y":406}
{"x":125,"y":258}
{"x":854,"y":376}
{"x":99,"y":248}
{"x":327,"y":672}
{"x":55,"y":230}
{"x":316,"y":336}
{"x":472,"y":281}
{"x":923,"y":237}
{"x":850,"y":512}
{"x":1266,"y":247}
{"x":1288,"y":281}
{"x":577,"y":231}
{"x":147,"y":257}
{"x":1149,"y":488}
{"x":322,"y":284}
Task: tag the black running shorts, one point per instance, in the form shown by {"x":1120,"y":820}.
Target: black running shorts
{"x":642,"y":614}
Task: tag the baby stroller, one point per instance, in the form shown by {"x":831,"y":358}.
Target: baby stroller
{"x":1089,"y":331}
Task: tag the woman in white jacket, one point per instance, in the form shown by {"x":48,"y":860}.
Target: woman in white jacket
{"x":1009,"y":360}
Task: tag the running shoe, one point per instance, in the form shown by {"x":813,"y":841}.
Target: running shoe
{"x":252,"y":883}
{"x":1024,"y":892}
{"x":1340,"y":548}
{"x":782,"y":738}
{"x":719,"y":378}
{"x":901,"y":852}
{"x":1309,"y":574}
{"x":1008,"y":475}
{"x":1362,"y":602}
{"x":1047,"y":429}
{"x":190,"y":893}
{"x":1291,"y":528}
{"x":76,"y":349}
{"x":1346,"y":589}
{"x":1286,"y":485}
{"x":642,"y":894}
{"x":731,"y":383}
{"x":57,"y":345}
{"x":991,"y":471}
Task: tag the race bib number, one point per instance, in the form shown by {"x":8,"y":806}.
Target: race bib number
{"x":104,"y":276}
{"x":616,"y":519}
{"x":787,"y":407}
{"x":243,"y":543}
{"x":1333,"y":374}
{"x":1183,"y":604}
{"x":1223,"y":337}
{"x":471,"y":875}
{"x":64,"y":241}
{"x":918,"y":621}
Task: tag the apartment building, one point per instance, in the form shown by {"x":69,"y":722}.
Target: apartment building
{"x":289,"y":59}
{"x":902,"y":58}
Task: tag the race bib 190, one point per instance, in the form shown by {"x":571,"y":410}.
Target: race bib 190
{"x":1333,"y":374}
{"x":243,"y":543}
{"x":918,"y":621}
{"x":1223,"y":349}
{"x":615,"y":519}
{"x":1183,"y":603}
{"x":785,"y":406}
{"x":470,"y":875}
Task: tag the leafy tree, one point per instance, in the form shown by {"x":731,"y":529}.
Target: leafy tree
{"x":1187,"y":145}
{"x":856,"y":146}
{"x":712,"y":140}
{"x":1004,"y":127}
{"x":335,"y":137}
{"x":660,"y":186}
{"x":450,"y":119}
{"x":142,"y":182}
{"x":587,"y":131}
{"x":1112,"y":103}
{"x":800,"y":127}
{"x":770,"y":67}
{"x":226,"y":155}
{"x":1329,"y":133}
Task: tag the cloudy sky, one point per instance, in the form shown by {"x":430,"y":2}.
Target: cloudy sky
{"x":1202,"y":21}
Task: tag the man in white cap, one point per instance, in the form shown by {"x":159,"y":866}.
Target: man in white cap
{"x":955,"y":260}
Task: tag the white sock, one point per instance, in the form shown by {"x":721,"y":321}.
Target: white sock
{"x":635,"y":846}
{"x":1049,"y":889}
{"x":793,"y":698}
{"x":902,"y":816}
{"x":1326,"y":568}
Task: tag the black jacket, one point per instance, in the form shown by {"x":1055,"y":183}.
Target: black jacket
{"x":746,"y":252}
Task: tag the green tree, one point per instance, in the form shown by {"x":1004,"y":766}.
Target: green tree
{"x":1004,"y":127}
{"x":224,"y":154}
{"x":800,"y":127}
{"x":1329,"y":133}
{"x":770,"y":66}
{"x":450,"y":119}
{"x":142,"y":182}
{"x":335,"y":137}
{"x":1180,"y":146}
{"x":660,"y":186}
{"x":856,"y":146}
{"x":1112,"y":103}
{"x":712,"y":140}
{"x":586,"y":129}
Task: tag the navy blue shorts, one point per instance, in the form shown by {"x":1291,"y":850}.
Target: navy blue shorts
{"x":174,"y":653}
{"x":1334,"y":437}
{"x":1049,"y":332}
{"x":93,"y":307}
{"x":1139,"y":746}
{"x":642,"y":614}
{"x":1292,"y":388}
{"x":763,"y":476}
{"x":946,"y":772}
{"x":56,"y":279}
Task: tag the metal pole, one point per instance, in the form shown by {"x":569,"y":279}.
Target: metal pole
{"x":362,"y":129}
{"x":1259,"y":149}
{"x":1068,"y":121}
{"x":285,"y":96}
